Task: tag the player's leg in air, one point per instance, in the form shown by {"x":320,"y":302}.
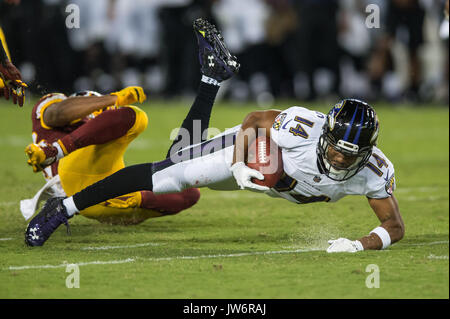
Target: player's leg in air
{"x":217,"y":65}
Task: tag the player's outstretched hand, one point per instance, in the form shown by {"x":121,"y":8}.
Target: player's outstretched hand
{"x":130,"y":95}
{"x":243,"y":175}
{"x":13,"y":85}
{"x":344,"y":245}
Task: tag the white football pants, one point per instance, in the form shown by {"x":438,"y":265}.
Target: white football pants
{"x":202,"y":165}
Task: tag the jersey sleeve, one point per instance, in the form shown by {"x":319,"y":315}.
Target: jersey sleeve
{"x":296,"y":125}
{"x":380,"y":174}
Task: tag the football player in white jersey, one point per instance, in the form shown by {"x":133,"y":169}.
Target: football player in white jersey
{"x":325,"y":157}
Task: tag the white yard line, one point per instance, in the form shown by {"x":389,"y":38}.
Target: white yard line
{"x":421,"y":198}
{"x":131,"y":260}
{"x":134,"y":259}
{"x":423,"y":189}
{"x":425,"y":244}
{"x":120,"y":247}
{"x":4,"y":239}
{"x":107,"y":262}
{"x":7,"y":204}
{"x":15,"y":140}
{"x":237,"y":254}
{"x":431,"y":256}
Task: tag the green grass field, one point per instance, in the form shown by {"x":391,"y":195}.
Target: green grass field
{"x":237,"y":244}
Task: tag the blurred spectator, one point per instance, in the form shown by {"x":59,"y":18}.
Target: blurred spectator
{"x":243,"y":25}
{"x":354,"y":40}
{"x":88,"y":44}
{"x":134,"y":42}
{"x":178,"y":50}
{"x":38,"y":41}
{"x":404,"y":23}
{"x":281,"y":27}
{"x":317,"y":44}
{"x":304,"y":49}
{"x":442,"y":90}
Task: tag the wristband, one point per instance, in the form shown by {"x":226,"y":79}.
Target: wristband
{"x":384,"y":236}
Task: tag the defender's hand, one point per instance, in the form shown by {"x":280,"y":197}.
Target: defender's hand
{"x":342,"y":245}
{"x":129,"y":95}
{"x":243,"y":175}
{"x":12,"y":81}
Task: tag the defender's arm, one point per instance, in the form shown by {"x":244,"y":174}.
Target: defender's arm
{"x":11,"y":78}
{"x":64,"y":112}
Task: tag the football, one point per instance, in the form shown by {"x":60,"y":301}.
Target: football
{"x":264,"y":155}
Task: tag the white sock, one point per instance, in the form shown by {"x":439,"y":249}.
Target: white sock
{"x":70,"y":206}
{"x":209,"y":80}
{"x":60,"y":151}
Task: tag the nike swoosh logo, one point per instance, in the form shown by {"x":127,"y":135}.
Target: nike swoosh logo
{"x":284,"y":126}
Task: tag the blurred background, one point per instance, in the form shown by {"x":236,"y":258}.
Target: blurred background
{"x":288,"y":49}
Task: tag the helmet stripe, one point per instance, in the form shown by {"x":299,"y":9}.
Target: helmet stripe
{"x":356,"y":139}
{"x":349,"y":128}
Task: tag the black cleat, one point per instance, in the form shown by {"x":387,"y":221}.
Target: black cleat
{"x":46,"y":222}
{"x":215,"y":59}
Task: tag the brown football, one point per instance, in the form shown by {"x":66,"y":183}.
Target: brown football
{"x":264,"y":155}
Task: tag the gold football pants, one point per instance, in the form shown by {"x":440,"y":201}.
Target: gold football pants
{"x":90,"y":164}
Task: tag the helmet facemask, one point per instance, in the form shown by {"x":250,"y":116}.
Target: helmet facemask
{"x":341,"y":173}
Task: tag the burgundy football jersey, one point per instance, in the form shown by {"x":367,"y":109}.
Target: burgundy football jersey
{"x":41,"y":131}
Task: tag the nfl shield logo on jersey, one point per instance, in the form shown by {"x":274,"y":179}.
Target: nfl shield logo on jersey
{"x":390,"y":184}
{"x":317,"y":179}
{"x":278,"y":121}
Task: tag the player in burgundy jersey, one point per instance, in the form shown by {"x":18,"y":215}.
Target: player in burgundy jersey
{"x":81,"y":139}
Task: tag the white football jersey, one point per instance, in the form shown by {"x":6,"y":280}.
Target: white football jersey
{"x":297,"y":131}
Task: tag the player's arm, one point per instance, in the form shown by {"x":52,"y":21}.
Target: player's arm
{"x":390,"y":231}
{"x":392,"y":228}
{"x":64,"y":112}
{"x":258,"y":122}
{"x":255,"y":124}
{"x":12,"y":79}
